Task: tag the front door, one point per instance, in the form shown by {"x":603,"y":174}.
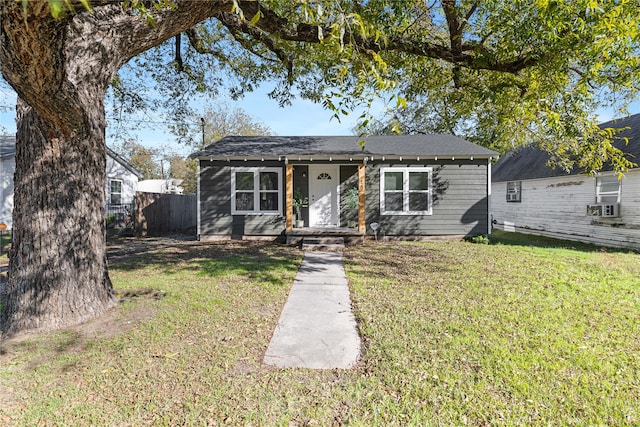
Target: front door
{"x":323,"y":195}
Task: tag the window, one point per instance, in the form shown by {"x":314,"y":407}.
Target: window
{"x":115,"y":192}
{"x":514,"y":191}
{"x":256,"y":191}
{"x":405,"y":191}
{"x":607,"y":189}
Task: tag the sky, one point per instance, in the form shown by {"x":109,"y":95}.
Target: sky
{"x":302,"y":118}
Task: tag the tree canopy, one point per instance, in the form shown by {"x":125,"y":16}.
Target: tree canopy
{"x":501,"y":73}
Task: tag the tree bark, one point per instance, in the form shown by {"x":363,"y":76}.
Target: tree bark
{"x":57,"y":267}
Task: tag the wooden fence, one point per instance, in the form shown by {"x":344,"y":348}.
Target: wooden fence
{"x":157,"y":214}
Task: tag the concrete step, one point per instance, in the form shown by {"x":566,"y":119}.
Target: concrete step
{"x":323,"y":244}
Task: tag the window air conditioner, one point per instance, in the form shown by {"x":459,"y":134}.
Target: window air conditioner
{"x":604,"y":210}
{"x":594,"y":210}
{"x":610,"y":210}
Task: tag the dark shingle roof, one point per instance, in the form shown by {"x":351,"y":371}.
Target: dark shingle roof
{"x":530,"y":162}
{"x":379,"y":145}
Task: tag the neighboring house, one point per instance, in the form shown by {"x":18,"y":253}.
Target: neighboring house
{"x":411,"y":186}
{"x":530,"y":197}
{"x":120,"y":187}
{"x":161,"y":186}
{"x":7,"y":169}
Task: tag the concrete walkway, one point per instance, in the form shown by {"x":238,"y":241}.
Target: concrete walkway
{"x":317,"y":328}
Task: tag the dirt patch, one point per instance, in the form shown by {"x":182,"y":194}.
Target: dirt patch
{"x":111,"y":324}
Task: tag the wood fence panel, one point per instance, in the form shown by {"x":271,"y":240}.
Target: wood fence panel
{"x":157,"y":214}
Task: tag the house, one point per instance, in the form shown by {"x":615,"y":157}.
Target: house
{"x":530,"y":197}
{"x":7,"y":169}
{"x":414,"y":186}
{"x":120,"y":187}
{"x":161,"y":186}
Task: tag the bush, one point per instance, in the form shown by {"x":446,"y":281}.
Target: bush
{"x":111,"y":217}
{"x":479,"y":238}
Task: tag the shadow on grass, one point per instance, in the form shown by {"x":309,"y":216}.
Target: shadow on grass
{"x":519,"y":239}
{"x":256,"y":260}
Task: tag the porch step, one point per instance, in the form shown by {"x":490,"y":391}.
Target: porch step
{"x":324,"y":244}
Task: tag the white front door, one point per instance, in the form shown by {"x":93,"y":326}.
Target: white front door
{"x":323,"y":195}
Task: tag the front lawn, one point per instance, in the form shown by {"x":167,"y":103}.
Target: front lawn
{"x":521,"y":332}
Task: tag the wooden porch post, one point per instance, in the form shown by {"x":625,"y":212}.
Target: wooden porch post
{"x":362,"y":226}
{"x":289,"y":197}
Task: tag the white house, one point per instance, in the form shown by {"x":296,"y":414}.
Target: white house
{"x":530,"y":197}
{"x":162,"y":186}
{"x":120,"y":189}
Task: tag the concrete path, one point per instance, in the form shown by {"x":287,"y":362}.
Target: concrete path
{"x":317,"y":328}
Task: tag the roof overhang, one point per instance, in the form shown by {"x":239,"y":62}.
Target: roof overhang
{"x":343,"y":158}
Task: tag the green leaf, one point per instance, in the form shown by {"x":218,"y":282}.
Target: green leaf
{"x":56,"y":7}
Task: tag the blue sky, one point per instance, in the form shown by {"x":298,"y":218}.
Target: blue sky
{"x":303,"y":117}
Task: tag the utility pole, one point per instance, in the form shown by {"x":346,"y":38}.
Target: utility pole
{"x":202,"y":124}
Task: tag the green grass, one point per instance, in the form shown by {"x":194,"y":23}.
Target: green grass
{"x":524,"y":331}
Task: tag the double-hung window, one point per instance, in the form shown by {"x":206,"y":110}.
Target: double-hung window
{"x":607,"y":189}
{"x":405,"y":191}
{"x":115,"y":192}
{"x":514,"y":191}
{"x":256,"y":190}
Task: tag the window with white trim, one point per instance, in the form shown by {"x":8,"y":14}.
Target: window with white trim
{"x":405,"y":191}
{"x":115,"y":192}
{"x":256,"y":190}
{"x":514,"y":191}
{"x":607,"y":189}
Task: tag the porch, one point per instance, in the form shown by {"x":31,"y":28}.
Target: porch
{"x":351,"y":236}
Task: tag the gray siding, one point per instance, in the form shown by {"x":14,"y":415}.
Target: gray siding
{"x":215,"y":203}
{"x":348,"y":180}
{"x":460,"y":203}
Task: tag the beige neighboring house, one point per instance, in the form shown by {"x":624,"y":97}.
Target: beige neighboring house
{"x":120,"y":189}
{"x":530,"y":197}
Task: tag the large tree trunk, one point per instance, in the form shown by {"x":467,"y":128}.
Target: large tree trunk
{"x":57,"y":268}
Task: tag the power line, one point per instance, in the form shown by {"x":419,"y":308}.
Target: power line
{"x":153,"y":122}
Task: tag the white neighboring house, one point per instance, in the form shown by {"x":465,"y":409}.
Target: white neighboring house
{"x":162,"y":186}
{"x":120,"y":189}
{"x":7,"y":169}
{"x":530,"y":197}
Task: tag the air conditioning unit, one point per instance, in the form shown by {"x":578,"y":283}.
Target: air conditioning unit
{"x":610,"y":210}
{"x":594,"y":210}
